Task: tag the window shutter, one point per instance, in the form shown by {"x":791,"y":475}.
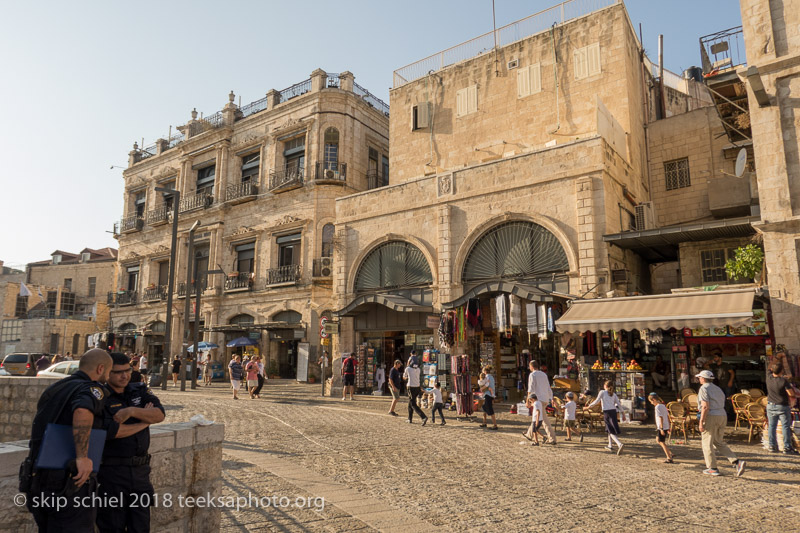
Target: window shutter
{"x":535,"y":78}
{"x":423,"y":115}
{"x":593,"y":59}
{"x":461,"y":102}
{"x":472,"y":99}
{"x":523,"y":83}
{"x":579,"y":58}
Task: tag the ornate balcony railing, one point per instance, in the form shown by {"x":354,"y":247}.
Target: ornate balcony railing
{"x":371,"y":99}
{"x":333,"y":81}
{"x":254,"y":107}
{"x":131,"y":223}
{"x":247,"y":189}
{"x":295,"y":90}
{"x":159,"y":215}
{"x":242,"y":280}
{"x":200,"y":200}
{"x":330,"y":172}
{"x":376,"y":178}
{"x":284,"y":274}
{"x":289,"y":178}
{"x":203,"y":285}
{"x":149,"y":151}
{"x":153,"y":294}
{"x":122,"y":298}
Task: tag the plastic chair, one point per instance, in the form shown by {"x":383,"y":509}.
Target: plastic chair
{"x":739,"y":402}
{"x":756,"y":417}
{"x":678,"y":418}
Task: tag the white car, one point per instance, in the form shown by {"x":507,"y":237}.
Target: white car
{"x":59,"y":370}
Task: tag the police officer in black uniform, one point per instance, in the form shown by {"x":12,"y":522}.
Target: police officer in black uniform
{"x":125,"y":470}
{"x":77,"y":401}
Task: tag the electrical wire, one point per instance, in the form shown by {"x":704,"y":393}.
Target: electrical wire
{"x":555,"y":76}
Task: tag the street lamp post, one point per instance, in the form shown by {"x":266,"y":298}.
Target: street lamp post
{"x":188,"y":301}
{"x":176,"y":201}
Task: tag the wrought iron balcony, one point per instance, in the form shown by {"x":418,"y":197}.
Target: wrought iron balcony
{"x":202,"y":199}
{"x":332,"y":173}
{"x":371,"y":99}
{"x":376,"y":178}
{"x":284,"y":274}
{"x":238,"y":282}
{"x":722,"y":51}
{"x":122,"y":298}
{"x":295,"y":90}
{"x":131,"y":223}
{"x":203,"y":285}
{"x":159,"y":215}
{"x":287,"y":179}
{"x":241,"y":191}
{"x":155,"y":294}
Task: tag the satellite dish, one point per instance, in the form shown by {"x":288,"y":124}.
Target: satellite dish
{"x":741,"y":160}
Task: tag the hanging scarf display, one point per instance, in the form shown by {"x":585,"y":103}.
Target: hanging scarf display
{"x":530,"y":314}
{"x":461,"y":335}
{"x":500,"y":304}
{"x":442,"y":331}
{"x":515,"y":313}
{"x":474,"y":312}
{"x":462,"y":384}
{"x":551,"y":325}
{"x":541,"y":318}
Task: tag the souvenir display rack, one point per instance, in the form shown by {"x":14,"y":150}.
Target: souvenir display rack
{"x":462,"y":385}
{"x":430,"y":365}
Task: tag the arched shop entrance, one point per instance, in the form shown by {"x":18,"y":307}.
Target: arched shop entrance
{"x":154,"y":340}
{"x":515,"y":280}
{"x":286,"y":332}
{"x":126,"y":337}
{"x":391,"y":309}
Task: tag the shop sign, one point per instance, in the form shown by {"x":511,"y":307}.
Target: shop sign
{"x":299,"y":334}
{"x":410,"y":339}
{"x":432,"y":322}
{"x":254,"y":335}
{"x":331,"y":328}
{"x":326,"y":342}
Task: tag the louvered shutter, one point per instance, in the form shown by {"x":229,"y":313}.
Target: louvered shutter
{"x":593,"y":59}
{"x":581,"y":68}
{"x":461,"y":103}
{"x":523,"y":83}
{"x":535,"y":78}
{"x":472,"y":99}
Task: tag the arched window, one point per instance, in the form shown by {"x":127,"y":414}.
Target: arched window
{"x":395,"y":264}
{"x":127,"y":327}
{"x":515,"y":250}
{"x":327,"y":240}
{"x":290,"y":317}
{"x":331,"y":149}
{"x":158,"y":327}
{"x":242,"y":320}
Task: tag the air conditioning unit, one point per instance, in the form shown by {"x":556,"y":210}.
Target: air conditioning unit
{"x":514,"y":63}
{"x":331,"y":174}
{"x":644,"y":216}
{"x":620,"y":275}
{"x":326,"y":267}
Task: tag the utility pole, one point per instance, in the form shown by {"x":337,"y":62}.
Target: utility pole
{"x":176,"y":202}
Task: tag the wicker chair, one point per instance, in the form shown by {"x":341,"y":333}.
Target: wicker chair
{"x":692,"y":405}
{"x":558,"y":405}
{"x":678,"y":418}
{"x":756,"y":393}
{"x":762,"y":401}
{"x":686,"y":392}
{"x":756,"y":417}
{"x":593,"y":415}
{"x":739,"y":402}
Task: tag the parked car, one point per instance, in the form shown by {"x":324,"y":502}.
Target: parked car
{"x":59,"y":370}
{"x":21,"y":364}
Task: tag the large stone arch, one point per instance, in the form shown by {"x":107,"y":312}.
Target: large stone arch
{"x":418,"y":243}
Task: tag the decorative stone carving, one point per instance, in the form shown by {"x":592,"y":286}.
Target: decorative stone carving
{"x":445,"y":185}
{"x":288,"y":219}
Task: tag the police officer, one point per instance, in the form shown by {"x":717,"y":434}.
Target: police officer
{"x":125,"y":471}
{"x":77,"y":401}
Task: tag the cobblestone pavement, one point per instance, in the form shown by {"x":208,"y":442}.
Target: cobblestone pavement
{"x":379,"y":473}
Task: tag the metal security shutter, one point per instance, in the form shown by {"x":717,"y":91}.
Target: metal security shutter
{"x":290,"y":317}
{"x":515,"y":250}
{"x":392,"y":265}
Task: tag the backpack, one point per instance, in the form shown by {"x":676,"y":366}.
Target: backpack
{"x":348,"y":366}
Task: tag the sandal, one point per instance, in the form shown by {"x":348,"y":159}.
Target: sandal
{"x":482,"y":425}
{"x":669,"y":461}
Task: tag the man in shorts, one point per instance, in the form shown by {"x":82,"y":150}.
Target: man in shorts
{"x":395,"y":381}
{"x":348,"y":375}
{"x":236,"y":372}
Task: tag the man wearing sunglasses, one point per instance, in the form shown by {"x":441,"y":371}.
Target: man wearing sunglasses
{"x":125,"y":470}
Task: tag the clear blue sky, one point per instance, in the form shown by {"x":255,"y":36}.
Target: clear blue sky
{"x":81,"y":81}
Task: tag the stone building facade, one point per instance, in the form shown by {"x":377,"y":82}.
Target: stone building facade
{"x":261,"y":181}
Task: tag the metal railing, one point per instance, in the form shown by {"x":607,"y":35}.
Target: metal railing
{"x":521,"y":29}
{"x":371,"y":99}
{"x":322,"y":268}
{"x":52,"y":313}
{"x":159,"y":214}
{"x":202,"y":285}
{"x":284,"y":274}
{"x":200,"y":200}
{"x":152,"y":294}
{"x":295,"y":90}
{"x":330,"y":172}
{"x":242,"y":280}
{"x":722,"y":51}
{"x":122,"y":298}
{"x":333,"y":81}
{"x":376,"y":178}
{"x":175,"y":140}
{"x":149,"y":151}
{"x":131,"y":223}
{"x":241,"y":190}
{"x":290,"y":177}
{"x":254,"y":107}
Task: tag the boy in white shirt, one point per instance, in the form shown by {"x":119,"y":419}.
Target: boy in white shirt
{"x":662,"y":424}
{"x":437,"y":403}
{"x":569,"y":417}
{"x":538,"y":408}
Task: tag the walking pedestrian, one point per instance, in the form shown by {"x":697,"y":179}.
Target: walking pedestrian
{"x":438,"y":403}
{"x":236,"y":371}
{"x":779,"y":391}
{"x":395,"y":382}
{"x":42,"y":363}
{"x":348,"y":375}
{"x":536,"y":407}
{"x":489,"y":394}
{"x":539,"y":385}
{"x":711,"y":401}
{"x":252,"y":377}
{"x":412,"y":376}
{"x":569,"y":417}
{"x":609,"y":402}
{"x":260,"y":376}
{"x":207,"y":370}
{"x":176,"y":368}
{"x":143,"y":363}
{"x":662,"y":424}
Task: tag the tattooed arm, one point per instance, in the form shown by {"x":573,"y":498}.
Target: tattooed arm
{"x":82,"y":420}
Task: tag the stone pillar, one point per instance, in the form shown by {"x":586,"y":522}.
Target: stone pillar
{"x":189,"y":130}
{"x":221,"y":178}
{"x":273,"y":98}
{"x":319,"y":80}
{"x":590,"y":257}
{"x":134,"y":156}
{"x":445,"y":265}
{"x":346,"y":80}
{"x":161,"y":146}
{"x":183,"y":181}
{"x":230,"y":110}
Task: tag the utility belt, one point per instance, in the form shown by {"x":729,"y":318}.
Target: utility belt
{"x":138,"y":460}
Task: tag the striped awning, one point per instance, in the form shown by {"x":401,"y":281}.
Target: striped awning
{"x":679,"y":310}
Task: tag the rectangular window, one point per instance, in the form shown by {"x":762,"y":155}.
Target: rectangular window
{"x":289,"y":249}
{"x":201,"y":263}
{"x":68,"y":284}
{"x":52,"y":298}
{"x":529,"y":80}
{"x":133,"y":277}
{"x":139,"y":202}
{"x":587,"y":61}
{"x":205,"y":180}
{"x":467,"y":101}
{"x":676,"y":174}
{"x":250,"y":166}
{"x":420,"y":116}
{"x":245,"y":257}
{"x":384,"y":170}
{"x":712,"y":264}
{"x":294,"y":155}
{"x":68,"y":303}
{"x":168,"y":198}
{"x":21,"y":310}
{"x":92,"y":287}
{"x":12,"y":331}
{"x":163,"y":273}
{"x":54,"y":343}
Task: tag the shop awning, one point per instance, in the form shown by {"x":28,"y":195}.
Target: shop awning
{"x":392,"y":301}
{"x":681,"y":310}
{"x":526,"y":292}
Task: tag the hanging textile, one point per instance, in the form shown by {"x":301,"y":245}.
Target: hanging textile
{"x":461,"y":335}
{"x":500,"y":304}
{"x":541,"y":318}
{"x":515,"y":313}
{"x":474,"y":312}
{"x":462,"y":384}
{"x":530,"y":314}
{"x":550,"y":322}
{"x":442,"y":331}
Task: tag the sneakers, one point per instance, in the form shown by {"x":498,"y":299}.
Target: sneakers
{"x":392,"y":413}
{"x":443,"y":422}
{"x":493,"y":428}
{"x":739,"y":467}
{"x":712,"y":472}
{"x":609,"y":448}
{"x":619,"y":450}
{"x":790,"y":451}
{"x":409,"y":422}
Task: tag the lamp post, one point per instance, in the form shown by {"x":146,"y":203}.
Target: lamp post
{"x":176,"y":201}
{"x":187,"y":302}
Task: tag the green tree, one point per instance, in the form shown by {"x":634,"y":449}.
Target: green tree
{"x":747,"y":262}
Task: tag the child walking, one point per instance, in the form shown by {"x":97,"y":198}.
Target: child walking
{"x":437,"y":403}
{"x":662,"y":424}
{"x":569,"y":417}
{"x":536,"y":418}
{"x":609,"y":401}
